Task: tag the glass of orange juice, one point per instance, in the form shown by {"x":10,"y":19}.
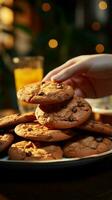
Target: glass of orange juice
{"x":27,"y":70}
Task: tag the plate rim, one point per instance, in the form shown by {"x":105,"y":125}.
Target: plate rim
{"x":67,"y":162}
{"x":102,"y":111}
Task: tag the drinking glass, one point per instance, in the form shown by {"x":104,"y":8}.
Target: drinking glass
{"x":27,"y":70}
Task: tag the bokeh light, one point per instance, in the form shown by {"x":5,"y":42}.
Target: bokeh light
{"x":102,"y":5}
{"x":99,"y":48}
{"x":6,"y":16}
{"x":16,"y":60}
{"x":8,"y":41}
{"x":53,"y":43}
{"x":2,"y":1}
{"x":8,"y":2}
{"x":96,"y":26}
{"x":46,"y":7}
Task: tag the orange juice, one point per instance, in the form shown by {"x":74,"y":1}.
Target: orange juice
{"x":27,"y":70}
{"x":23,"y":76}
{"x":27,"y":75}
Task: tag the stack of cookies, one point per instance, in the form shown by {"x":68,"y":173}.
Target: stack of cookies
{"x":60,"y":127}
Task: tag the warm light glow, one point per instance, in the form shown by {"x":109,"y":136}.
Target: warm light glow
{"x":2,"y":1}
{"x":100,"y":48}
{"x":6,"y":16}
{"x":103,"y":5}
{"x":53,"y":43}
{"x":96,"y":26}
{"x":8,"y":41}
{"x":15,"y":60}
{"x":46,"y":7}
{"x":8,"y":2}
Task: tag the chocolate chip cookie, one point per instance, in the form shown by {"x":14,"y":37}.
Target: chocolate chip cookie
{"x":6,"y":140}
{"x":27,"y":150}
{"x":14,"y":119}
{"x":72,"y":114}
{"x":45,"y":92}
{"x":86,"y":146}
{"x":97,"y":127}
{"x":37,"y":132}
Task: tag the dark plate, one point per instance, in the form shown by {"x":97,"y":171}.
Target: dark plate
{"x":62,"y":163}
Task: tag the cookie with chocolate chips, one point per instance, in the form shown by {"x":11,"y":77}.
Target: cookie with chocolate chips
{"x":37,"y":132}
{"x":83,"y":146}
{"x":45,"y":92}
{"x":27,"y":92}
{"x":6,"y":140}
{"x":72,"y":114}
{"x":27,"y":150}
{"x":14,"y":119}
{"x":97,"y":127}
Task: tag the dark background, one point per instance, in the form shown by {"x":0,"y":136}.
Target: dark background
{"x":78,"y":26}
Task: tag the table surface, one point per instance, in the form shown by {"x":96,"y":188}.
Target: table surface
{"x":91,"y":181}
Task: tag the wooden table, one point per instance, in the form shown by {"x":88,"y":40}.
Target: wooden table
{"x":89,"y":182}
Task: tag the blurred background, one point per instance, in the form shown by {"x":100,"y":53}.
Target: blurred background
{"x":55,"y":29}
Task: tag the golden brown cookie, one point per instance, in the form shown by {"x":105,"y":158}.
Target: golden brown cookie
{"x":74,"y":113}
{"x":37,"y":132}
{"x":28,"y":91}
{"x":14,"y":119}
{"x":97,"y":127}
{"x":86,"y":146}
{"x":6,"y":140}
{"x":26,"y":150}
{"x":45,"y":92}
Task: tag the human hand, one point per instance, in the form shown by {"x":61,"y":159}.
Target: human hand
{"x":90,"y":75}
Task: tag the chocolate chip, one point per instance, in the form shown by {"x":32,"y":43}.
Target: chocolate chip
{"x":74,"y":109}
{"x":41,"y":93}
{"x":43,"y":82}
{"x":59,"y":86}
{"x":99,"y":139}
{"x":30,"y":129}
{"x":29,"y":153}
{"x":71,"y":118}
{"x":80,"y":104}
{"x":64,"y":106}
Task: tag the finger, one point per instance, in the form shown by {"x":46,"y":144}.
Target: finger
{"x":66,"y":73}
{"x":77,"y":90}
{"x":86,"y":86}
{"x":58,"y":69}
{"x":82,"y":86}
